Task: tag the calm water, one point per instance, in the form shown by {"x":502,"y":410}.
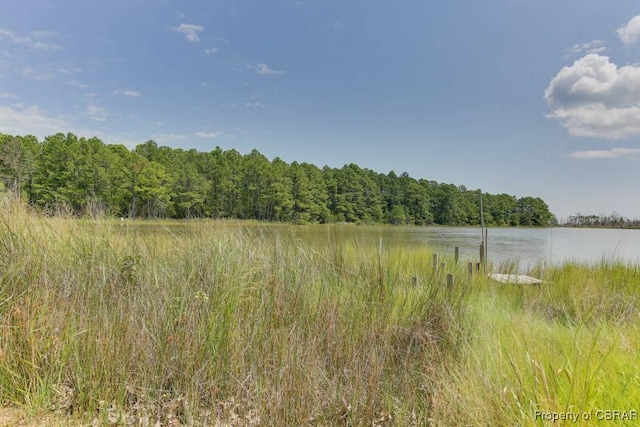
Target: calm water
{"x":525,"y":247}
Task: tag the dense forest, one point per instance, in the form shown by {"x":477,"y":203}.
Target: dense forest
{"x":85,"y":176}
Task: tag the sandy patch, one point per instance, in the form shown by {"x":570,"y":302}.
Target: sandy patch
{"x":17,"y":417}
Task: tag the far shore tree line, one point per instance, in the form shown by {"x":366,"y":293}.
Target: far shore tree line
{"x":85,"y":176}
{"x":613,"y":220}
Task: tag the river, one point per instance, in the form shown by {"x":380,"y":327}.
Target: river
{"x":524,"y":247}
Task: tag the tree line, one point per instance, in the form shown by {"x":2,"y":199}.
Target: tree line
{"x":612,"y":220}
{"x":85,"y":176}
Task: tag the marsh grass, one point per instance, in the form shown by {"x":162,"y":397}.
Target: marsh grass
{"x":233,"y":323}
{"x":227,"y":323}
{"x":568,"y":346}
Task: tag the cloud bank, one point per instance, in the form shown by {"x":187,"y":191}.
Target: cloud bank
{"x":208,"y":134}
{"x":630,"y":32}
{"x":594,"y":97}
{"x":614,"y":153}
{"x":36,"y":40}
{"x":29,"y":120}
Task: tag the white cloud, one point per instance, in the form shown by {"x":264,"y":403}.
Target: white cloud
{"x":78,"y":84}
{"x":614,"y":153}
{"x":600,"y":122}
{"x":96,"y":112}
{"x":595,"y":98}
{"x":190,"y":31}
{"x":41,"y":75}
{"x":8,"y":95}
{"x":66,"y":69}
{"x":29,"y":120}
{"x":32,"y":120}
{"x":35,"y":40}
{"x":211,"y":51}
{"x":128,"y":92}
{"x":43,"y":34}
{"x":40,"y":45}
{"x":208,"y":134}
{"x":254,"y":105}
{"x":338,"y":26}
{"x":47,"y":72}
{"x":265,"y":70}
{"x":594,"y":46}
{"x":10,"y":35}
{"x":630,"y":32}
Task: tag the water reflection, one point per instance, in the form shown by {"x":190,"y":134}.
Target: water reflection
{"x":524,"y":247}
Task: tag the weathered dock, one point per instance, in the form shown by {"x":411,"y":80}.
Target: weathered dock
{"x":516,"y":279}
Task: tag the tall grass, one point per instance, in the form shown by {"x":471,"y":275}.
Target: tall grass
{"x":232,"y":323}
{"x":569,"y":346}
{"x":224,"y":323}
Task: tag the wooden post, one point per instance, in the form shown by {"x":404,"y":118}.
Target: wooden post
{"x":442,"y":267}
{"x":450,"y":280}
{"x":482,"y":254}
{"x":380,"y":272}
{"x":470,"y":269}
{"x":435,"y":261}
{"x":481,"y":226}
{"x":486,"y":247}
{"x":457,"y":254}
{"x":414,"y":280}
{"x":477,"y":267}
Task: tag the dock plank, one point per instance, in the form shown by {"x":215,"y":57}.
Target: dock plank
{"x":517,"y":279}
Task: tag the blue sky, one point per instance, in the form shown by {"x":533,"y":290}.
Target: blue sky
{"x":526,"y":98}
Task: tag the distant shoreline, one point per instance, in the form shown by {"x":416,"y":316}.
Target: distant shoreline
{"x":614,"y":227}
